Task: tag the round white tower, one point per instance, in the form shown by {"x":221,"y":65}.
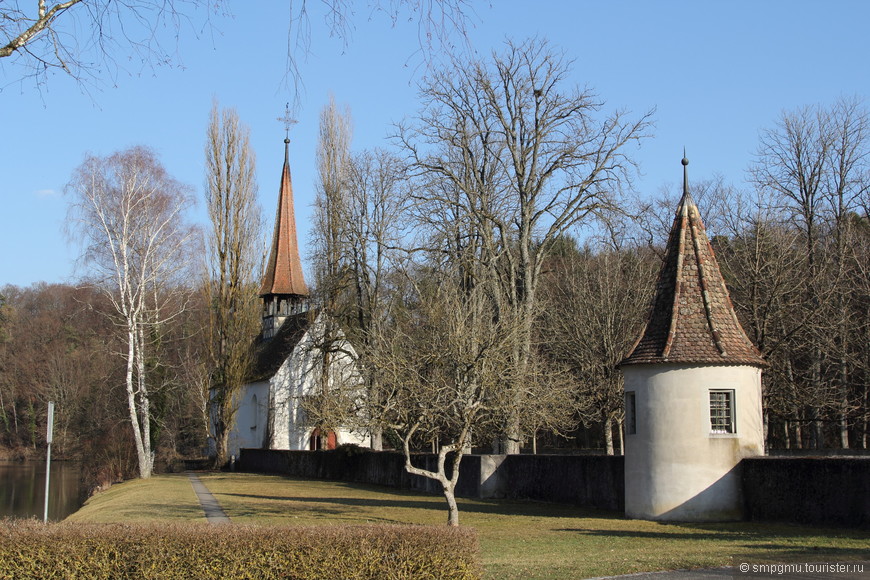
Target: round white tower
{"x":692,"y":389}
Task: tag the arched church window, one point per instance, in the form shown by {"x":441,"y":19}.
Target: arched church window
{"x":254,"y":413}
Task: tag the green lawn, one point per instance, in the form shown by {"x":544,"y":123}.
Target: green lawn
{"x":518,"y":539}
{"x":159,"y":498}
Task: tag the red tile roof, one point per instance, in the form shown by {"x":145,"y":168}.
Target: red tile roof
{"x":692,"y":320}
{"x":284,"y":268}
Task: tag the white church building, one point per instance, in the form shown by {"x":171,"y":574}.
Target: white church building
{"x":692,"y":389}
{"x":289,"y":361}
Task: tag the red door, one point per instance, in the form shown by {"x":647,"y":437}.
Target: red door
{"x":314,"y":440}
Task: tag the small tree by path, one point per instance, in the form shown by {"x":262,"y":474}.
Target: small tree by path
{"x":446,"y":364}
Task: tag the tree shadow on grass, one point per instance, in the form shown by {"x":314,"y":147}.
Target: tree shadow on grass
{"x":351,"y":502}
{"x":368,"y":510}
{"x":155,"y":510}
{"x":435,"y":504}
{"x":322,"y":512}
{"x":749,"y":535}
{"x":412,"y":498}
{"x":744,"y":542}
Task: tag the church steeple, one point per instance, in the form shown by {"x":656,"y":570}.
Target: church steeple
{"x":283,"y":290}
{"x":692,"y":318}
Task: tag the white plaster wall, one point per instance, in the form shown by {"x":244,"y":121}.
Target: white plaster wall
{"x":300,"y":376}
{"x":675,"y":468}
{"x":354,"y":437}
{"x":251,"y":418}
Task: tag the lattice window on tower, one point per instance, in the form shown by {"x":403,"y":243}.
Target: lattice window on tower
{"x":722,"y":411}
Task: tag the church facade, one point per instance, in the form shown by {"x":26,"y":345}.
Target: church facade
{"x":289,"y":365}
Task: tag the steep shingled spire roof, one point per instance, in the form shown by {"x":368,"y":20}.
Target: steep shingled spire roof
{"x":284,"y":268}
{"x":692,"y":320}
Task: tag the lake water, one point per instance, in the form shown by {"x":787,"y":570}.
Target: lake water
{"x":22,"y":489}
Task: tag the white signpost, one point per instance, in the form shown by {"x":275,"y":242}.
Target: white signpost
{"x":48,"y":437}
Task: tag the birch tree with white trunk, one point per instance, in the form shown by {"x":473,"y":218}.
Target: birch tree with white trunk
{"x":128,"y":214}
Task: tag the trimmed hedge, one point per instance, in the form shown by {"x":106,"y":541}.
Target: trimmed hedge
{"x":31,"y":549}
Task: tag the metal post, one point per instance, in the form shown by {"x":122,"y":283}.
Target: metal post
{"x":48,"y":437}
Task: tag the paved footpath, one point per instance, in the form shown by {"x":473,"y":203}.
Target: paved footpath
{"x":214,"y":513}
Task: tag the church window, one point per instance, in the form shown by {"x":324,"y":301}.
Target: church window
{"x":722,"y":411}
{"x":254,"y":413}
{"x":630,"y":413}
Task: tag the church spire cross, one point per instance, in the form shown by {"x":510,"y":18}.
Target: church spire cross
{"x":288,"y":121}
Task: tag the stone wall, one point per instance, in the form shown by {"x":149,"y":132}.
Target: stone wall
{"x":359,"y":466}
{"x":831,"y":491}
{"x":588,"y":480}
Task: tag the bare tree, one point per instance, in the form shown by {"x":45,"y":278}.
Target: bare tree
{"x":596,"y":299}
{"x":83,"y":38}
{"x":357,"y":230}
{"x":441,"y":25}
{"x":87,"y":39}
{"x":848,"y":180}
{"x":813,"y":165}
{"x":333,"y":164}
{"x":329,"y":408}
{"x":761,"y":259}
{"x":445,"y":360}
{"x":513,"y":150}
{"x":128,"y":213}
{"x":373,"y":234}
{"x":551,"y":396}
{"x":860,"y":281}
{"x":4,"y":316}
{"x":791,"y":162}
{"x":234,"y":242}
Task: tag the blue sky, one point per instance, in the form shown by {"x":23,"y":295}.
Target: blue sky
{"x":716,"y":72}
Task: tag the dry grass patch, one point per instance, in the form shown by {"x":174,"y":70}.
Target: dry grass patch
{"x":277,"y":500}
{"x":159,"y":498}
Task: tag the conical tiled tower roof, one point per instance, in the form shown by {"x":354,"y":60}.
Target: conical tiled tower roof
{"x":284,"y":269}
{"x":692,"y":320}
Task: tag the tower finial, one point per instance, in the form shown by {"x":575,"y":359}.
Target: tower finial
{"x":685,"y":163}
{"x":288,"y":122}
